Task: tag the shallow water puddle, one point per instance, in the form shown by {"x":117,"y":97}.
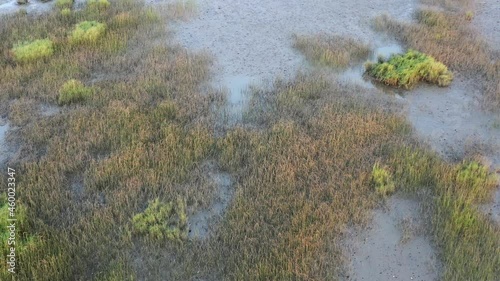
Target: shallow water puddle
{"x":355,"y":74}
{"x":237,"y":86}
{"x":393,"y":246}
{"x":199,"y":223}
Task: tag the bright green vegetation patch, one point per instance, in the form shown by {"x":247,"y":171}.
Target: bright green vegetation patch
{"x":87,"y":32}
{"x":382,"y":180}
{"x":73,"y":91}
{"x":409,"y":69}
{"x":162,"y":221}
{"x":33,"y":50}
{"x":334,"y":51}
{"x":64,"y":3}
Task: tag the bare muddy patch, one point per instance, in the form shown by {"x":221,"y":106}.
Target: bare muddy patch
{"x":47,"y":110}
{"x":393,"y":246}
{"x":487,"y":21}
{"x":201,"y":221}
{"x":4,"y":152}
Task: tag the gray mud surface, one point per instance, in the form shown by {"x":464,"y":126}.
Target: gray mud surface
{"x":487,"y":21}
{"x":4,"y":152}
{"x":393,"y":246}
{"x":202,"y":221}
{"x":33,"y":7}
{"x":253,"y":39}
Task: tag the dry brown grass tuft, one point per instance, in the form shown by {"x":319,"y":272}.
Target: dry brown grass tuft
{"x":334,"y":51}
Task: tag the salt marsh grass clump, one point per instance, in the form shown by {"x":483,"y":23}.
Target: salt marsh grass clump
{"x":30,"y":51}
{"x":382,"y":180}
{"x":334,"y":51}
{"x":73,"y":91}
{"x":409,"y":69}
{"x":65,"y":12}
{"x":87,"y":32}
{"x":162,"y":221}
{"x":61,"y":4}
{"x":98,"y":5}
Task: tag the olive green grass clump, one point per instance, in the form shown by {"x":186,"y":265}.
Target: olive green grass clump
{"x":87,"y":32}
{"x":73,"y":91}
{"x":65,"y":12}
{"x":30,"y":51}
{"x":61,"y":4}
{"x":162,"y":221}
{"x":409,"y":69}
{"x":100,"y":5}
{"x":332,"y":51}
{"x":382,"y":180}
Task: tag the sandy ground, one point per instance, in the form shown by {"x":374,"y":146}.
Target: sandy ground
{"x":393,"y":247}
{"x":487,"y":21}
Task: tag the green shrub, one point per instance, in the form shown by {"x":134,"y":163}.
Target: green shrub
{"x":73,"y":91}
{"x":100,"y":5}
{"x":382,"y":180}
{"x":61,"y":4}
{"x":162,"y":221}
{"x":32,"y":51}
{"x":87,"y":32}
{"x":409,"y":69}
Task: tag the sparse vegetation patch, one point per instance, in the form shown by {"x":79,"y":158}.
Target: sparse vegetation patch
{"x":334,"y":51}
{"x":61,"y":4}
